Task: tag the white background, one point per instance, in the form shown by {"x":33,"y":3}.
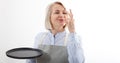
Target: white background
{"x":97,"y":22}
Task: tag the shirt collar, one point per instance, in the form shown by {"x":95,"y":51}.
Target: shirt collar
{"x":59,"y":33}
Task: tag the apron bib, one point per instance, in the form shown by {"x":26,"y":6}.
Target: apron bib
{"x":53,"y":53}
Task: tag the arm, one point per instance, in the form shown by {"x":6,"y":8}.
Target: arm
{"x":75,"y":51}
{"x":36,"y":43}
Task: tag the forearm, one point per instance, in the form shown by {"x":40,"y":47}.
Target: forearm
{"x":75,"y":51}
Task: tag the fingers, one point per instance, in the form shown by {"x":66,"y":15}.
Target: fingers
{"x":70,"y":18}
{"x":70,"y":22}
{"x":70,"y":14}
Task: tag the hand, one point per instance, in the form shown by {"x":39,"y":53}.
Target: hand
{"x":70,"y":22}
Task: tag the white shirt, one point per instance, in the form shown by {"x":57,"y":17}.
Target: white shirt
{"x":75,"y":52}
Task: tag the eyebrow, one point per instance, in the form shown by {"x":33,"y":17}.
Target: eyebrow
{"x":59,"y":10}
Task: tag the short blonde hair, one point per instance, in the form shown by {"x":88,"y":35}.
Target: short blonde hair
{"x":48,"y":24}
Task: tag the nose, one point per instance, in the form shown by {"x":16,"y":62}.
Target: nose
{"x":61,"y":15}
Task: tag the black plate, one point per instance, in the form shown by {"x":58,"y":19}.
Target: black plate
{"x":24,"y":53}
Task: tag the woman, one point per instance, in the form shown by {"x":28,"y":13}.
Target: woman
{"x":58,"y":45}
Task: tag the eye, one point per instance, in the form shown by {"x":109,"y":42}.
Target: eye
{"x":56,"y":12}
{"x":65,"y":12}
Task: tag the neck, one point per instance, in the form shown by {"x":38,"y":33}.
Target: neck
{"x":56,"y":30}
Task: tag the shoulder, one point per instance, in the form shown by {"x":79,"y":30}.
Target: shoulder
{"x":40,"y":34}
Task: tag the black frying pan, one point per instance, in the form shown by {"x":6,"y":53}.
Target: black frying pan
{"x":24,"y":53}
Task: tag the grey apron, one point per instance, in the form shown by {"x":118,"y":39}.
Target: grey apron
{"x":53,"y":53}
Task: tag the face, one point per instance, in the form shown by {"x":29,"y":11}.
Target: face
{"x":58,"y":16}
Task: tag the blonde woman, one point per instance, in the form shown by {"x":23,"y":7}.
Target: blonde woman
{"x":58,"y":45}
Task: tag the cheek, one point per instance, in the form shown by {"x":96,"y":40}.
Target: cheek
{"x":66,"y":18}
{"x":53,"y":17}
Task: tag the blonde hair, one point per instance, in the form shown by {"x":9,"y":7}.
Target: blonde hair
{"x":48,"y":24}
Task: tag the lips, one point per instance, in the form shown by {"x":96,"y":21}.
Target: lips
{"x":60,"y":19}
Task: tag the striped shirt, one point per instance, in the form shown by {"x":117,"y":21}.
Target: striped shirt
{"x":75,"y":52}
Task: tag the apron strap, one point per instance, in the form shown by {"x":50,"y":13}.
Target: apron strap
{"x":65,"y":40}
